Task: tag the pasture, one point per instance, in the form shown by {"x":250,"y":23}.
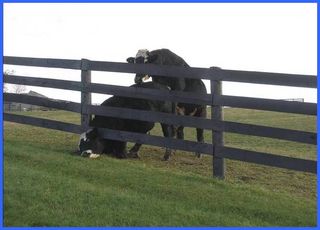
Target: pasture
{"x":46,"y":185}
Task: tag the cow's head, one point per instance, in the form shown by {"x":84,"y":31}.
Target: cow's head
{"x":142,"y":57}
{"x":90,"y":144}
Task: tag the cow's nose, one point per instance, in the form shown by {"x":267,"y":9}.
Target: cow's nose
{"x":90,"y":154}
{"x":86,"y":153}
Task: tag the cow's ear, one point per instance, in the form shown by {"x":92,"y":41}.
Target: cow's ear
{"x":152,"y":58}
{"x":130,"y":60}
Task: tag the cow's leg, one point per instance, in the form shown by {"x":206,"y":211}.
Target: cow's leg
{"x":119,"y":149}
{"x":200,"y":140}
{"x":202,"y":113}
{"x":180,"y":134}
{"x":167,"y":132}
{"x":133,"y":152}
{"x":180,"y":111}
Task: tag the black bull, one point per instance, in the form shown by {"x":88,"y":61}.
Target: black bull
{"x":91,"y":143}
{"x":166,"y":57}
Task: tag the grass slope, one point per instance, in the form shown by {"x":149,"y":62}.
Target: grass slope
{"x":45,"y":185}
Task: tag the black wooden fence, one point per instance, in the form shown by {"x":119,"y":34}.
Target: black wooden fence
{"x":216,"y":100}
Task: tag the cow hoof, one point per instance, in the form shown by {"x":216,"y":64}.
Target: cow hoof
{"x":133,"y":155}
{"x":198,"y":155}
{"x":166,"y":157}
{"x":122,"y":156}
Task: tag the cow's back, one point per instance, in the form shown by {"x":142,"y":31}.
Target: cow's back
{"x":167,"y":57}
{"x":132,"y":103}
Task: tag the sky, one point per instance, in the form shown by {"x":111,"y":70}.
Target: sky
{"x":268,"y":37}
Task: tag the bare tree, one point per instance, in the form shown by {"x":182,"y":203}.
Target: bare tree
{"x":19,"y":89}
{"x":5,"y":85}
{"x":5,"y":88}
{"x":15,"y":88}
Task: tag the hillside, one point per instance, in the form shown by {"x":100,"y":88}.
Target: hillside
{"x":46,"y":185}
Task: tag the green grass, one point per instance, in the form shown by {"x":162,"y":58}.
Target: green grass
{"x":46,"y":185}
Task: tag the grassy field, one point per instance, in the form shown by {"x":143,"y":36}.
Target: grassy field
{"x":46,"y":185}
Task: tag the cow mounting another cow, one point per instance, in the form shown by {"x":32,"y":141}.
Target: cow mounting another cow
{"x":167,"y":57}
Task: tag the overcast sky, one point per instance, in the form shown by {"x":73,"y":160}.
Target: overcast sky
{"x":258,"y":37}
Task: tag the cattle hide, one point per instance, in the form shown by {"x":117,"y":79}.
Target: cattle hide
{"x":167,"y":57}
{"x":92,"y":142}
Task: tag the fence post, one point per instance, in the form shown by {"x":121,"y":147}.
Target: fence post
{"x":85,"y":95}
{"x":217,"y":114}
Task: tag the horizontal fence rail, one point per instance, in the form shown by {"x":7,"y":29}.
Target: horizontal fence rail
{"x":296,"y":80}
{"x":111,"y":89}
{"x":230,"y":153}
{"x":187,"y":121}
{"x":281,"y":79}
{"x":157,"y":141}
{"x":267,"y":159}
{"x":43,"y":82}
{"x":270,"y":132}
{"x":215,"y":100}
{"x":152,"y":69}
{"x":43,"y":62}
{"x":45,"y":102}
{"x":308,"y":81}
{"x":267,"y":104}
{"x":233,"y":127}
{"x":175,"y":96}
{"x":44,"y":123}
{"x":152,"y":94}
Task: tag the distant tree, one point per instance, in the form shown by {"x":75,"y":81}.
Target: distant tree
{"x":5,"y":88}
{"x":15,"y":88}
{"x":19,"y":89}
{"x":5,"y":85}
{"x":8,"y":72}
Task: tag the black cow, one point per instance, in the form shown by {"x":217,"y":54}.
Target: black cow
{"x":160,"y":57}
{"x":91,"y":143}
{"x":167,"y":57}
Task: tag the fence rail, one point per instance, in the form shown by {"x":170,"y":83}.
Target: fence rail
{"x":43,"y":82}
{"x":45,"y":102}
{"x":267,"y":159}
{"x":43,"y":62}
{"x":44,"y":123}
{"x":297,"y":80}
{"x":268,"y":104}
{"x":216,"y":100}
{"x":206,"y":99}
{"x":186,"y":121}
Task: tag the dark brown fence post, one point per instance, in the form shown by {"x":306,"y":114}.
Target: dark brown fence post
{"x":85,"y":95}
{"x":217,"y":114}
